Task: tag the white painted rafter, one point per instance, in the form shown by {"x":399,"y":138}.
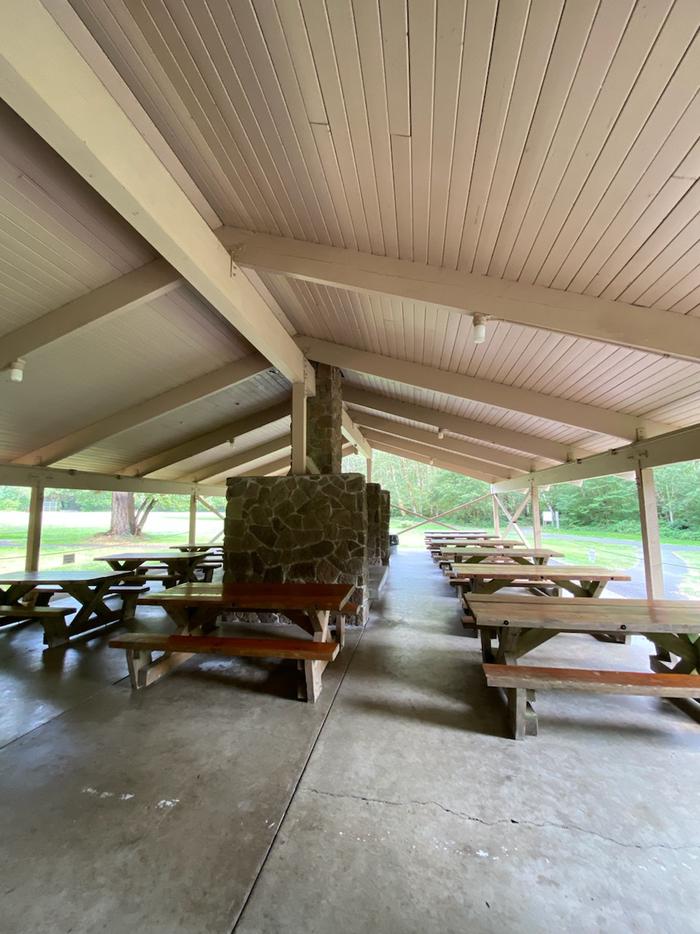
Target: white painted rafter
{"x":261,"y":452}
{"x":671,"y":448}
{"x":60,"y":479}
{"x":128,"y":291}
{"x":48,"y":82}
{"x":457,"y":424}
{"x":479,"y":468}
{"x":598,"y":319}
{"x":352,"y":432}
{"x":476,"y":453}
{"x":513,"y":398}
{"x":197,"y":444}
{"x":413,"y":452}
{"x":192,"y":391}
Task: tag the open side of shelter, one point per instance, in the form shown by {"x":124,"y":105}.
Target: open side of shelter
{"x":240,"y":241}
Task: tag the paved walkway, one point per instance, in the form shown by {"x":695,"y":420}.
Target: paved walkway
{"x":416,"y":815}
{"x":212,"y":801}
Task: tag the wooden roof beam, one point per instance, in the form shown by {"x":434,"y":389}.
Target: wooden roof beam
{"x":280,"y":466}
{"x":480,"y":469}
{"x":197,"y":444}
{"x":60,"y":479}
{"x":653,"y":330}
{"x":671,"y":448}
{"x":353,"y":433}
{"x":220,"y":468}
{"x":48,"y":82}
{"x":479,"y":455}
{"x":405,"y":449}
{"x":128,"y":291}
{"x":513,"y":398}
{"x":457,"y":424}
{"x":142,"y":412}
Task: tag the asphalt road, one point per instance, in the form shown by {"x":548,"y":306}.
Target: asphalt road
{"x":675,"y":569}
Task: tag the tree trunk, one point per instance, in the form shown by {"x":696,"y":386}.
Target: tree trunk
{"x":123,"y":515}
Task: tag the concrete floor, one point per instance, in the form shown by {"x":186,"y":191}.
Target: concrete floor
{"x":396,"y":804}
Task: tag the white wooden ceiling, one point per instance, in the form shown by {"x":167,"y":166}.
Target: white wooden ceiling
{"x":543,"y":141}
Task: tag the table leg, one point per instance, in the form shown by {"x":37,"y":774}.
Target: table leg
{"x":93,"y":613}
{"x":313,"y":669}
{"x":521,"y":714}
{"x":486,"y":634}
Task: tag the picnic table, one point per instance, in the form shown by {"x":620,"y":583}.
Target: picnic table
{"x":459,"y":533}
{"x":180,"y":567}
{"x":199,"y":548}
{"x":579,"y":580}
{"x":88,"y":588}
{"x":195,"y":608}
{"x":437,"y":540}
{"x":521,"y":625}
{"x":501,"y":544}
{"x":530,"y":556}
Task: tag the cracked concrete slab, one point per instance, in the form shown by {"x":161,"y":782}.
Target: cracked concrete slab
{"x":212,"y":799}
{"x":416,"y":813}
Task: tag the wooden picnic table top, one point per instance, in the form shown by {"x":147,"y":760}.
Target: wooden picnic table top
{"x":479,"y":533}
{"x":162,"y":556}
{"x":583,"y":613}
{"x":197,"y":547}
{"x":499,"y":553}
{"x":255,"y":596}
{"x":539,"y":572}
{"x":58,"y":576}
{"x":443,"y":544}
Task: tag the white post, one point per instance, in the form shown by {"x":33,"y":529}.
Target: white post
{"x":36,"y":510}
{"x":651,"y":546}
{"x":192,"y":535}
{"x":298,"y":428}
{"x":496,"y":516}
{"x":368,"y":461}
{"x":535,"y":510}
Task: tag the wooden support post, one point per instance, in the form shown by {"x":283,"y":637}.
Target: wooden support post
{"x":651,"y":547}
{"x":210,"y":508}
{"x":513,"y":519}
{"x":192,"y":533}
{"x":298,"y":428}
{"x":36,"y":510}
{"x":368,"y":461}
{"x":535,"y":510}
{"x":496,"y":516}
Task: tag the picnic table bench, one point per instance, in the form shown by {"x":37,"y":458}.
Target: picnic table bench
{"x":171,"y":568}
{"x":497,"y":544}
{"x":196,"y":607}
{"x":579,"y":580}
{"x":21,"y":598}
{"x":521,"y":625}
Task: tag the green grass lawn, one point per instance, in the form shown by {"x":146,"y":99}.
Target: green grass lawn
{"x":87,"y":541}
{"x":617,"y":556}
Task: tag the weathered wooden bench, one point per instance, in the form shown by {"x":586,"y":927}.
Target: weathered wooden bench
{"x":19,"y":613}
{"x":196,"y":607}
{"x":338,"y":620}
{"x":129,"y":594}
{"x":521,"y":682}
{"x":207,"y":568}
{"x":178,"y":648}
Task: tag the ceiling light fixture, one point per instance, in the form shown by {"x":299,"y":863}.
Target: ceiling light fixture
{"x":16,"y":370}
{"x":479,"y":327}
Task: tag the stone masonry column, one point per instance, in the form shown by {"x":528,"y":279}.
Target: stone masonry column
{"x":324,"y":443}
